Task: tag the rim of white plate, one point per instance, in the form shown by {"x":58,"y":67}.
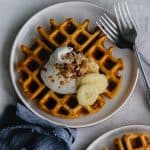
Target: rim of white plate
{"x":137,"y":127}
{"x":11,"y":67}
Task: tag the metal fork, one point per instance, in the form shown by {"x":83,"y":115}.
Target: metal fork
{"x":123,"y":34}
{"x":112,"y":32}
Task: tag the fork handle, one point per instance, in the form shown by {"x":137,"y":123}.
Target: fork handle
{"x":146,"y":82}
{"x":145,"y":60}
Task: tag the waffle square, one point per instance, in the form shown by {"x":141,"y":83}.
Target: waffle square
{"x":68,"y":33}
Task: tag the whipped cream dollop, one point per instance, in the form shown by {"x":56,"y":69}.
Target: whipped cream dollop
{"x":50,"y":73}
{"x":63,"y":69}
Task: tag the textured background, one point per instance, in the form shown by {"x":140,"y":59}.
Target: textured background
{"x":14,"y":14}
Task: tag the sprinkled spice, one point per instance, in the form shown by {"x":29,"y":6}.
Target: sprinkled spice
{"x":44,"y":69}
{"x":53,"y":80}
{"x":76,"y":65}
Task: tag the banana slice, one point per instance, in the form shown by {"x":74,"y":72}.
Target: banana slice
{"x":87,"y":94}
{"x":98,"y":79}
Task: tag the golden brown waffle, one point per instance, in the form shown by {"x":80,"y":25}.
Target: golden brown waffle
{"x":108,"y":64}
{"x":69,"y":33}
{"x":132,"y":141}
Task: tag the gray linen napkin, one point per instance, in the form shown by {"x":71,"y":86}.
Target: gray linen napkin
{"x":20,"y":129}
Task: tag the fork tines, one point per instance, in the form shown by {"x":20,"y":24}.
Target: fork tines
{"x":108,"y":27}
{"x":123,"y":16}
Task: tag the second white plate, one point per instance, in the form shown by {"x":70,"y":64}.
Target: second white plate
{"x":107,"y":138}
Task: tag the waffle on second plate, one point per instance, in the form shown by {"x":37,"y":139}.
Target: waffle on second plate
{"x":78,"y":36}
{"x":132,"y":141}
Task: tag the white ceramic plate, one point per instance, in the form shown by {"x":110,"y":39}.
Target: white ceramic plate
{"x":79,"y":11}
{"x":107,"y":138}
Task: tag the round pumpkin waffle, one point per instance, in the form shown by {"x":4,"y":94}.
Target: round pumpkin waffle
{"x":132,"y":141}
{"x":78,"y":36}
